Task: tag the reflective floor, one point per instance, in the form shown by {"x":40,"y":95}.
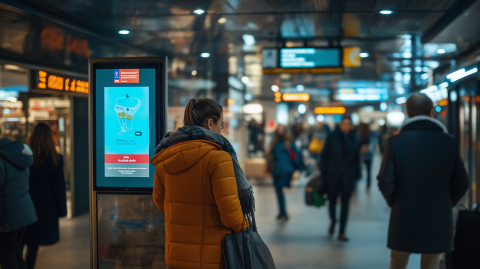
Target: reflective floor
{"x":302,"y":242}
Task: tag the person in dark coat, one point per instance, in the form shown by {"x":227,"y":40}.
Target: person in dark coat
{"x":366,"y":150}
{"x":285,"y":159}
{"x":422,"y":177}
{"x":16,"y":207}
{"x":340,"y":168}
{"x":47,"y":189}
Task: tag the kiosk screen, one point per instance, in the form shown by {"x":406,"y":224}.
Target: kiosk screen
{"x":125,"y":126}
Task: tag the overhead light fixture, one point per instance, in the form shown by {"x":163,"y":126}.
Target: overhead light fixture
{"x":425,"y":76}
{"x":296,"y":97}
{"x":395,"y":117}
{"x":252,"y":109}
{"x":443,"y":85}
{"x":222,"y":20}
{"x":440,"y":51}
{"x":381,"y":122}
{"x":124,"y":32}
{"x":453,"y":96}
{"x":275,"y":88}
{"x":194,"y":72}
{"x":311,"y":120}
{"x":205,"y":55}
{"x":386,"y":12}
{"x":245,"y":79}
{"x":199,"y":11}
{"x":383,"y":106}
{"x":401,"y":100}
{"x":300,"y":88}
{"x":249,"y":40}
{"x":461,"y":74}
{"x":320,"y":118}
{"x":363,"y":55}
{"x":248,"y":96}
{"x":302,"y":108}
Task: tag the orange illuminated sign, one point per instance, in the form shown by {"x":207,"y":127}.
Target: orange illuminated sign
{"x":49,"y":81}
{"x":330,"y":110}
{"x":443,"y":102}
{"x":296,"y":97}
{"x":278,"y":97}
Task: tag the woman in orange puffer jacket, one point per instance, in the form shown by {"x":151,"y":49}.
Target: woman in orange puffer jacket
{"x":196,"y":185}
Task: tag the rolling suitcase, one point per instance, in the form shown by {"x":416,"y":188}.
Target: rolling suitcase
{"x":467,"y":240}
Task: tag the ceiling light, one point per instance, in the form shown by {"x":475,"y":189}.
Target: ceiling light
{"x":194,"y":72}
{"x":222,"y":20}
{"x":199,"y":11}
{"x":248,"y":96}
{"x":205,"y":55}
{"x":320,"y":118}
{"x":302,"y":108}
{"x":252,"y":109}
{"x":300,"y":88}
{"x":245,"y":79}
{"x":275,"y":88}
{"x":383,"y":106}
{"x":249,"y":40}
{"x":363,"y":55}
{"x":386,"y":12}
{"x":440,"y":51}
{"x":124,"y":32}
{"x":425,"y":76}
{"x":401,"y":100}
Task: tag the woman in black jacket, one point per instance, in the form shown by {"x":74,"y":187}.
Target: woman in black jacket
{"x":47,"y":189}
{"x":340,"y":168}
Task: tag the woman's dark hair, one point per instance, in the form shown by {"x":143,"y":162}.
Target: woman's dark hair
{"x":285,"y":137}
{"x":42,"y":144}
{"x":199,"y":110}
{"x":346,"y":117}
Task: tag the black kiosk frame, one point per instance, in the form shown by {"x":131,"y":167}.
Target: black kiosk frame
{"x":159,"y":64}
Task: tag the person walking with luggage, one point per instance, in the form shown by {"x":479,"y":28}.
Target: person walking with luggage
{"x":283,"y":157}
{"x":366,"y":150}
{"x":16,"y":206}
{"x":200,"y":185}
{"x":340,"y":169}
{"x":422,"y":178}
{"x":47,"y":189}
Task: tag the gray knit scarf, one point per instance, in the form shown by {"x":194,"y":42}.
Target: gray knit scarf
{"x":188,"y":133}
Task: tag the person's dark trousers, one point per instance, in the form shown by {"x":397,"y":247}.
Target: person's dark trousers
{"x":31,"y":256}
{"x":345,"y":194}
{"x":280,"y":181}
{"x":368,"y":165}
{"x":11,"y":250}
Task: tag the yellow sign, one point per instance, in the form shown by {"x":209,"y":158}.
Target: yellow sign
{"x":351,"y":57}
{"x":60,"y":83}
{"x":330,"y":110}
{"x":278,"y":97}
{"x":296,"y":97}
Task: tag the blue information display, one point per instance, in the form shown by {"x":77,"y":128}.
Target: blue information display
{"x":125,"y":127}
{"x":310,"y":57}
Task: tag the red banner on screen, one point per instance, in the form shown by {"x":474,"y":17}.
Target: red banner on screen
{"x":127,"y":76}
{"x":127,"y":158}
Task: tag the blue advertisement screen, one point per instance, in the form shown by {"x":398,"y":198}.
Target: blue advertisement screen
{"x":125,"y":127}
{"x":309,"y":57}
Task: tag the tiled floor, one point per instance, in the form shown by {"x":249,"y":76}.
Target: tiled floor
{"x":300,"y":243}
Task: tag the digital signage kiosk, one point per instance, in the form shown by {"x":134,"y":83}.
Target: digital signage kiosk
{"x":127,"y":111}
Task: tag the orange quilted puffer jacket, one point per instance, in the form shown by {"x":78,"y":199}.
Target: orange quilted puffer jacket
{"x":195,"y":185}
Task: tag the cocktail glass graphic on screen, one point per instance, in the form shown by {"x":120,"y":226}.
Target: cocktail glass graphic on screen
{"x":126,"y":107}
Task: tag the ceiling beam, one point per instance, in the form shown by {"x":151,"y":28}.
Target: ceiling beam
{"x":459,"y":7}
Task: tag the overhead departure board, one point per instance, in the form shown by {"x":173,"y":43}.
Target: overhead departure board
{"x":310,"y":57}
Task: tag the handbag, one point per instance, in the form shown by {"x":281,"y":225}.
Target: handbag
{"x":467,"y":240}
{"x":315,"y":192}
{"x":316,"y":146}
{"x":246,"y":250}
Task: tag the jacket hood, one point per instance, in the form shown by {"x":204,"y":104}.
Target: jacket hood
{"x":419,"y":118}
{"x":183,"y":155}
{"x":12,"y":152}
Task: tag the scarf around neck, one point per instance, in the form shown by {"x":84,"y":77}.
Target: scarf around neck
{"x":188,"y":133}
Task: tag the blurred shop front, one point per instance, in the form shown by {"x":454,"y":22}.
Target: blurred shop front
{"x":60,"y":100}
